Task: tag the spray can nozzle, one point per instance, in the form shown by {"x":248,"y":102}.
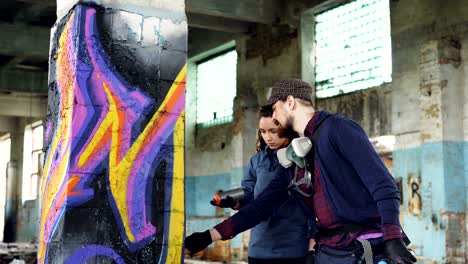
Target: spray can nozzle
{"x":221,"y":197}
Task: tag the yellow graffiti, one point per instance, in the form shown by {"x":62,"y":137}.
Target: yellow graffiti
{"x":53,"y":180}
{"x":177,"y":222}
{"x":119,"y":170}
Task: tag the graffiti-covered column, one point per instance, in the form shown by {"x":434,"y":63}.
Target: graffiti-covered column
{"x":112,"y":189}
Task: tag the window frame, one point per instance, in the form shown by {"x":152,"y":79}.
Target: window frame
{"x":204,"y":57}
{"x":35,"y":173}
{"x":308,"y":45}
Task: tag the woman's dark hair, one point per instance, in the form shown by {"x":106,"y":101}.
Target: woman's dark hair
{"x":267,"y":111}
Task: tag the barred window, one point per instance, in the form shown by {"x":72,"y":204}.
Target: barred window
{"x":216,"y":89}
{"x":33,"y":156}
{"x":353,"y":47}
{"x":5,"y":148}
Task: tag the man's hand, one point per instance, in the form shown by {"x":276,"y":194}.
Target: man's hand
{"x":396,"y":251}
{"x":198,"y":241}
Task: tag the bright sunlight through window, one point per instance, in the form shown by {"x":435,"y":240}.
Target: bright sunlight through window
{"x":32,"y":159}
{"x":353,"y":47}
{"x":216,"y":89}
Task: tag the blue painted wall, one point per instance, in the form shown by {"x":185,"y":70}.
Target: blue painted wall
{"x":443,"y":188}
{"x":199,"y":190}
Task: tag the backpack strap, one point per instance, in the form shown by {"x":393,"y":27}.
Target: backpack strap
{"x":315,"y":137}
{"x":316,"y":133}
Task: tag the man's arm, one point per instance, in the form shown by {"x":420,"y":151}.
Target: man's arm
{"x":258,"y":210}
{"x":353,"y":142}
{"x":248,"y":182}
{"x":247,"y":217}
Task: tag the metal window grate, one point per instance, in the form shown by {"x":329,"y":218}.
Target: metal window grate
{"x":216,"y":89}
{"x":32,"y":160}
{"x":353,"y":47}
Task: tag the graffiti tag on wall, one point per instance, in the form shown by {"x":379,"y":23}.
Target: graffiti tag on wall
{"x":414,"y":199}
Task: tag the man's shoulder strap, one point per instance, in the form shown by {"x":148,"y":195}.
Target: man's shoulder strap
{"x":315,"y":136}
{"x":316,"y":133}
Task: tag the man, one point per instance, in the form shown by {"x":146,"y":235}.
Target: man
{"x":353,"y":196}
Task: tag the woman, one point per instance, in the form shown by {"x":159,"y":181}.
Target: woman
{"x":283,"y":238}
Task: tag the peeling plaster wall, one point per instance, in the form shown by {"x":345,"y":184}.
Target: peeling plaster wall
{"x":429,"y":41}
{"x":371,"y":108}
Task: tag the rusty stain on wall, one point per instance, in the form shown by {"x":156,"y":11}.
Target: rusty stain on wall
{"x":444,"y":84}
{"x":424,"y":136}
{"x":449,"y":51}
{"x":433,"y":111}
{"x":456,"y":250}
{"x":269,"y":42}
{"x":426,"y":89}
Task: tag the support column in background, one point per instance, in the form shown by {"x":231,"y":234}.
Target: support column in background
{"x":432,"y":169}
{"x":442,"y":173}
{"x":113,"y":181}
{"x":11,"y":203}
{"x":13,"y":183}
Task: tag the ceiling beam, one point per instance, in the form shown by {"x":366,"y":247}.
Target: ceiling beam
{"x":7,"y":124}
{"x":258,"y":11}
{"x":13,"y":62}
{"x":23,"y":105}
{"x":217,"y":24}
{"x":24,"y":40}
{"x":23,"y":81}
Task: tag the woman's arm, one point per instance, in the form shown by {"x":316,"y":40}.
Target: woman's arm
{"x":248,"y":182}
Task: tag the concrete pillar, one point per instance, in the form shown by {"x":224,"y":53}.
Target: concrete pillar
{"x":14,"y":180}
{"x":113,"y":181}
{"x":434,"y":187}
{"x":11,"y":206}
{"x":245,"y":129}
{"x":441,"y":122}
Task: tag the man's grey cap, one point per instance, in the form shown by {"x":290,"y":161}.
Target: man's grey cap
{"x":295,"y":87}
